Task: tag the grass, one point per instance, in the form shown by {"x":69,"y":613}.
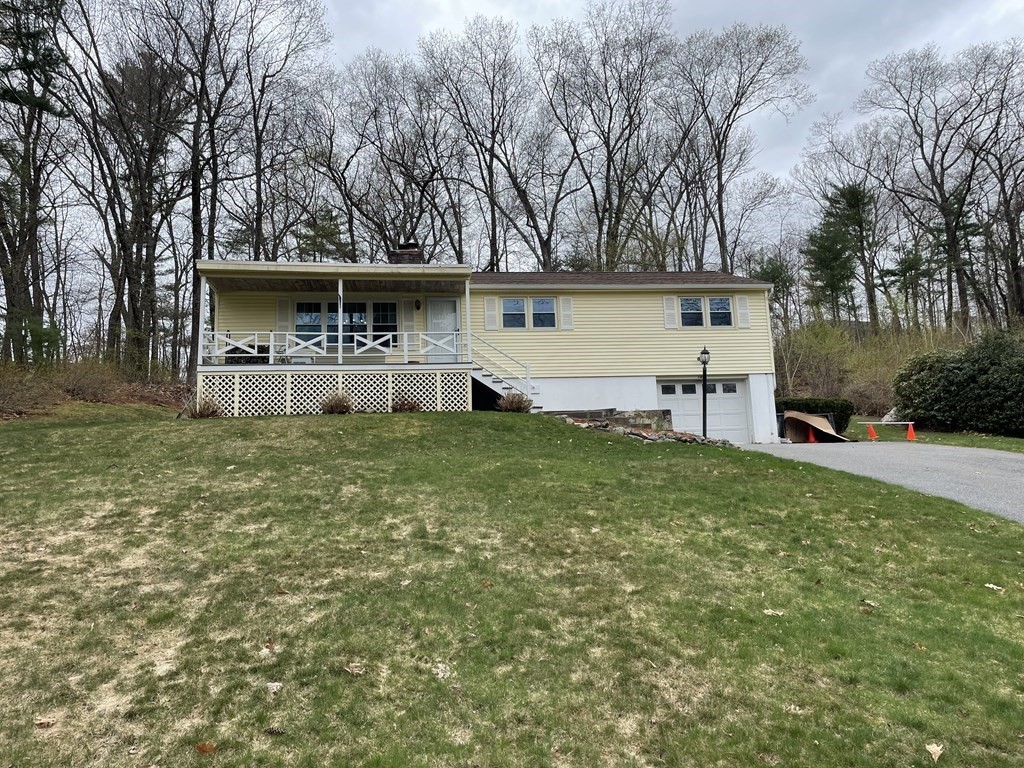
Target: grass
{"x":858,"y":431}
{"x":485,"y":590}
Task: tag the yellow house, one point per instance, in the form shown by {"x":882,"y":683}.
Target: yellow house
{"x":280,"y":337}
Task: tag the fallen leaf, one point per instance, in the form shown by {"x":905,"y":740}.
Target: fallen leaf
{"x":206,"y":747}
{"x":784,"y":553}
{"x":996,"y":588}
{"x":281,"y":590}
{"x":45,"y":722}
{"x":772,"y":612}
{"x":866,"y":609}
{"x":269,"y":645}
{"x":356,"y":669}
{"x":488,"y":584}
{"x":817,"y":582}
{"x":935,"y":750}
{"x":919,"y":647}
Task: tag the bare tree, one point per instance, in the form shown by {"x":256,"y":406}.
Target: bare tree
{"x":734,"y":75}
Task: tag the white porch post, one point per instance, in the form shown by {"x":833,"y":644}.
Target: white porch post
{"x":202,"y":318}
{"x":341,"y":291}
{"x":469,"y":327}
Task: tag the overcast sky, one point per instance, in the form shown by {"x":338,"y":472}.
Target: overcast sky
{"x":839,"y":37}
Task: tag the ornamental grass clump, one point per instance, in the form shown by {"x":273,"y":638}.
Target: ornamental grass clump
{"x":515,"y":402}
{"x":337,"y":403}
{"x":206,"y":408}
{"x":403,"y":403}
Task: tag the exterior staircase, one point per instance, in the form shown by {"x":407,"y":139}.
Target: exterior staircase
{"x":501,"y":372}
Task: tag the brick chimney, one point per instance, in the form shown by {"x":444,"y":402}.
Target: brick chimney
{"x":406,"y":253}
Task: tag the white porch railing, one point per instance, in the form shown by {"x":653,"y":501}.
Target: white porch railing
{"x":501,"y":367}
{"x":279,"y":348}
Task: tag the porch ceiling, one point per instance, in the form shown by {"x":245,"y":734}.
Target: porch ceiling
{"x":305,"y":285}
{"x":294,"y":277}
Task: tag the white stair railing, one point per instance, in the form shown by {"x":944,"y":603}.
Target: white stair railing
{"x":500,"y":365}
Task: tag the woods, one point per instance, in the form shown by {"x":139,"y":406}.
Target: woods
{"x":139,"y":136}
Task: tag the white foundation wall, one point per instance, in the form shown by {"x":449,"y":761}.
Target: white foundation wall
{"x":640,"y":393}
{"x":761,"y":391}
{"x":625,"y":393}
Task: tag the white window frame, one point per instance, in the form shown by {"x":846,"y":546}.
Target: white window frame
{"x":502,"y":313}
{"x":739,"y":311}
{"x":703,"y":311}
{"x":557,"y":312}
{"x":324,"y":323}
{"x":732,"y":311}
{"x":553,"y":313}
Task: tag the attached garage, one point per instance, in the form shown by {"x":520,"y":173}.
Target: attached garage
{"x":728,"y":405}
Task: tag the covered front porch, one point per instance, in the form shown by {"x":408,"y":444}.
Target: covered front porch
{"x":280,"y":338}
{"x":330,"y":314}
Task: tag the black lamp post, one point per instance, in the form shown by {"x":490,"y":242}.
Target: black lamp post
{"x":704,"y":358}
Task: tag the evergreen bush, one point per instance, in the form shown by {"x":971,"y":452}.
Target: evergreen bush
{"x":979,"y":388}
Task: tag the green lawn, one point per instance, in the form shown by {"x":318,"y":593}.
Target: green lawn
{"x":485,"y":590}
{"x":970,"y":439}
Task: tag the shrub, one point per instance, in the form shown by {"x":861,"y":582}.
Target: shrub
{"x":515,"y":402}
{"x":842,"y":410}
{"x":26,"y":390}
{"x":978,"y":388}
{"x":90,"y":380}
{"x":207,"y":408}
{"x":338,"y":402}
{"x":405,"y":404}
{"x":814,"y":358}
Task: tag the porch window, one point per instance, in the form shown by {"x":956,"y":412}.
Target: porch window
{"x":308,"y":320}
{"x":353,"y":321}
{"x":691,"y":311}
{"x":543,"y":311}
{"x":385,"y":320}
{"x":720,"y":311}
{"x":513,"y":313}
{"x":332,"y":322}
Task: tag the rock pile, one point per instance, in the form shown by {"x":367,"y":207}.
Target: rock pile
{"x":646,"y":435}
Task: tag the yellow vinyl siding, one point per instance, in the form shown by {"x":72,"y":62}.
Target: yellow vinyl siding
{"x":245,"y":311}
{"x":622,"y":333}
{"x":616,"y":332}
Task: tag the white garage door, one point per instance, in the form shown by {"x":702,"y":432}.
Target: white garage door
{"x":727,"y":408}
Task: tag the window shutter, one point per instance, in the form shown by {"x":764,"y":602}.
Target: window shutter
{"x":490,"y":313}
{"x":742,"y":312}
{"x":565,"y":304}
{"x":671,"y":312}
{"x":284,"y":315}
{"x":408,"y":316}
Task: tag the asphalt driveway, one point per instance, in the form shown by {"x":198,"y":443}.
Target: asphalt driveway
{"x":989,"y":480}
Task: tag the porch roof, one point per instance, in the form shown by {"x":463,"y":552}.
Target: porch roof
{"x":323,"y":278}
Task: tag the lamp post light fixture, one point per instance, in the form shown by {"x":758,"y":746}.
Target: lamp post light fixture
{"x":704,"y":358}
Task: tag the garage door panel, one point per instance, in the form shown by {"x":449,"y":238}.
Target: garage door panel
{"x":727,"y":408}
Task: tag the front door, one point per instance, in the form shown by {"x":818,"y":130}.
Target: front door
{"x":442,"y":342}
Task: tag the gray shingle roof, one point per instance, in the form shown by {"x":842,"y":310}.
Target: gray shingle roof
{"x":614,"y":280}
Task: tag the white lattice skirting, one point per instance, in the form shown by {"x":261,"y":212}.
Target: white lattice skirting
{"x":267,"y":393}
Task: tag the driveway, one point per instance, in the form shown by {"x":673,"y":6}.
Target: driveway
{"x":989,"y":480}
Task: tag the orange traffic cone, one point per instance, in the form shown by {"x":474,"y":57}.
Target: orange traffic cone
{"x":910,"y":432}
{"x":810,"y":435}
{"x":872,"y":435}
